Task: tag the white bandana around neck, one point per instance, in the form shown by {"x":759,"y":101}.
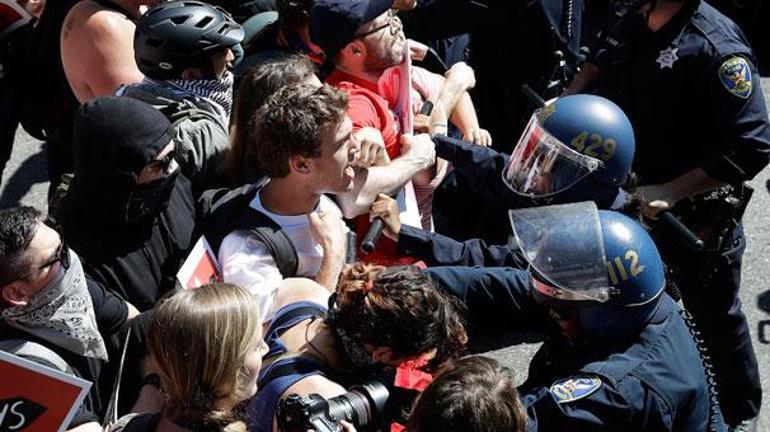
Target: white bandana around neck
{"x":62,"y":313}
{"x":219,"y":91}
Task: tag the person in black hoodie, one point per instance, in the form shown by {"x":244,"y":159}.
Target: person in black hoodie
{"x":128,"y":212}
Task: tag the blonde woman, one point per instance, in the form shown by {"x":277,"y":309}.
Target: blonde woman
{"x":206,"y":345}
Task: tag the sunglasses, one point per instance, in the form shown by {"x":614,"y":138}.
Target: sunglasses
{"x":62,"y":254}
{"x":393,"y":22}
{"x":163,"y":163}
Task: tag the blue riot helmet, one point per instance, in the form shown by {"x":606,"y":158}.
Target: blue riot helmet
{"x":600,"y":263}
{"x":577,"y":148}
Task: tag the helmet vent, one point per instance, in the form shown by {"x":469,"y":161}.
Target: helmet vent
{"x":180,"y":19}
{"x":204,"y":22}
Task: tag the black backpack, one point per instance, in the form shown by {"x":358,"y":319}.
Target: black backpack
{"x":223,"y":211}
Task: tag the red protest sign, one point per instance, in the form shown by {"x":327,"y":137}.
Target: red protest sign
{"x":200,"y":268}
{"x":34,"y":398}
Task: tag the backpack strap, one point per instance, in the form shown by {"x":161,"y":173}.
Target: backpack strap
{"x":306,"y":311}
{"x":227,"y":211}
{"x":302,"y":364}
{"x":280,"y":247}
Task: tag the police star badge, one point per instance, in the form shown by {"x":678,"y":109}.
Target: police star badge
{"x":735,"y":75}
{"x":575,"y":388}
{"x":667,"y":58}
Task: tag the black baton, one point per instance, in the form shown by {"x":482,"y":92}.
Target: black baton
{"x":688,"y":237}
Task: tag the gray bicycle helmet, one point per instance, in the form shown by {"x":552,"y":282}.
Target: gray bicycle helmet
{"x":171,"y":37}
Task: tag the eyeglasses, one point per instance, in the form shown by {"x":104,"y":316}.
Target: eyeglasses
{"x":163,"y":163}
{"x":62,"y":254}
{"x":393,"y":22}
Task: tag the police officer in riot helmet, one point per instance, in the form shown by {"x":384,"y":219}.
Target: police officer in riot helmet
{"x":687,"y":78}
{"x":623,"y":356}
{"x":577,"y":148}
{"x":589,"y":139}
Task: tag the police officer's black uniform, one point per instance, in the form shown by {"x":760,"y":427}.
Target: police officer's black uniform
{"x":693,"y":95}
{"x":652,"y":381}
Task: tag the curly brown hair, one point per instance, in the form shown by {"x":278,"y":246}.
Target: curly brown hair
{"x":291,"y":122}
{"x":256,"y":86}
{"x":400,"y":308}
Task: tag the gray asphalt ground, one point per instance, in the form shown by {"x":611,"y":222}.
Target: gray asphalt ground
{"x":24,"y":182}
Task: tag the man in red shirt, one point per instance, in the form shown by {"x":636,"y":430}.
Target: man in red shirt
{"x":362,"y":39}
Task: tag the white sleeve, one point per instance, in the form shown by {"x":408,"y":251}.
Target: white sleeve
{"x":246,"y":262}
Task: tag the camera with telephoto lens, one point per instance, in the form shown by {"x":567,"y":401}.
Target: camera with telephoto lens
{"x":363,"y":406}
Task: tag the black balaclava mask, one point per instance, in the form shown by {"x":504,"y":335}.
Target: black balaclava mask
{"x":114,"y":139}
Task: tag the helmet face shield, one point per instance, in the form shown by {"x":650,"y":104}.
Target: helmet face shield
{"x":565,"y":249}
{"x":541,"y":165}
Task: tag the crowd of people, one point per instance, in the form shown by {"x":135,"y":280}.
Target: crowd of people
{"x":277,"y":136}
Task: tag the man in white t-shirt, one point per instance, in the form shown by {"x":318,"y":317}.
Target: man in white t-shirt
{"x":304,"y":144}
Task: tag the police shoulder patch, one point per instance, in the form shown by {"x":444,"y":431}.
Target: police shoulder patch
{"x":575,"y":388}
{"x":735,"y":74}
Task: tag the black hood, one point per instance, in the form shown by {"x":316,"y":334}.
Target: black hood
{"x":114,"y":139}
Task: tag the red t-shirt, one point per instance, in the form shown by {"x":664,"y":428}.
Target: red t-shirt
{"x":367,"y":108}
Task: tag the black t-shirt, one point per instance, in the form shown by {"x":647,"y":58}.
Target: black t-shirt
{"x":111,"y":310}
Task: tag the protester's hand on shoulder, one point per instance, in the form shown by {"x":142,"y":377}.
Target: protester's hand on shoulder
{"x":386,"y":208}
{"x":329,"y":231}
{"x":371,"y":148}
{"x":478,"y":136}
